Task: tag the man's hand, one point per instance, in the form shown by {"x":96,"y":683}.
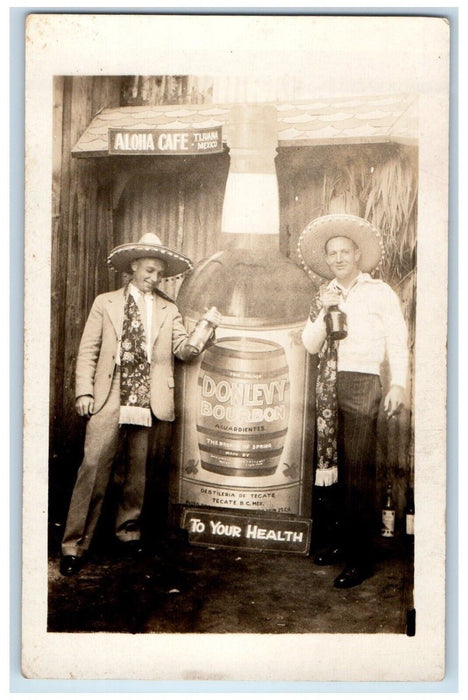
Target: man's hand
{"x":84,"y":406}
{"x":394,"y":401}
{"x":330,"y":298}
{"x":213,"y":316}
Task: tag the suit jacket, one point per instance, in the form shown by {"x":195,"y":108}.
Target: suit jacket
{"x":98,"y":350}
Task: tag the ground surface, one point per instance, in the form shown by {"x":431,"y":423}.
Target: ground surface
{"x":195,"y":589}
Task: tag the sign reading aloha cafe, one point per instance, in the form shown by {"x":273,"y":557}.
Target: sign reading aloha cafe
{"x":165,"y":142}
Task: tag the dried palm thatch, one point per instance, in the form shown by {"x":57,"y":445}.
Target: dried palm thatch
{"x":385,"y":193}
{"x":166,"y":90}
{"x":390,"y":199}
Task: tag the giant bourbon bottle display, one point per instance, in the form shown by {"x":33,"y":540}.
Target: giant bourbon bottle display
{"x":245,"y":429}
{"x":245,"y":433}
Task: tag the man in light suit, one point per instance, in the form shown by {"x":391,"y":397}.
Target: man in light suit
{"x":124,"y":380}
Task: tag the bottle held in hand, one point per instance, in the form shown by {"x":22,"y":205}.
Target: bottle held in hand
{"x":336,"y":323}
{"x":201,"y":334}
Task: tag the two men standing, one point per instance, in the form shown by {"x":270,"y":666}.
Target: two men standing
{"x":125,"y":380}
{"x":345,"y":249}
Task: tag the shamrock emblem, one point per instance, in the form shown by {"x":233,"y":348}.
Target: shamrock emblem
{"x":191,"y":467}
{"x":291,"y":470}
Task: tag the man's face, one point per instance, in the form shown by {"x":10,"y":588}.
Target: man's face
{"x":147,"y":273}
{"x":342,"y":257}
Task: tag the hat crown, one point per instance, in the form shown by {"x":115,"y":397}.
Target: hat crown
{"x":150,"y":239}
{"x":149,"y":246}
{"x":313,"y":239}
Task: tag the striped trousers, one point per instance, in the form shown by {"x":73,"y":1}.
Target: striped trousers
{"x":345,"y":513}
{"x":359,"y":396}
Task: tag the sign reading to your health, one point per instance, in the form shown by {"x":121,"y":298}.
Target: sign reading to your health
{"x":263,"y":532}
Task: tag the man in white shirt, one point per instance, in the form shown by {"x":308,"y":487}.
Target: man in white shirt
{"x":346,"y":248}
{"x":124,"y":382}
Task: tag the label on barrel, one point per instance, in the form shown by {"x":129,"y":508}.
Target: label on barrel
{"x":245,"y":436}
{"x":243,"y":407}
{"x":225,"y":529}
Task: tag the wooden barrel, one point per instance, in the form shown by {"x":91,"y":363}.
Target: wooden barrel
{"x":243,"y":406}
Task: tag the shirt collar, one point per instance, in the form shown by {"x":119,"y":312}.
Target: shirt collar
{"x":361,"y":277}
{"x":136,"y":293}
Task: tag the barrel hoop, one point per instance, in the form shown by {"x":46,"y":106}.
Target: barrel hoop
{"x":240,"y":374}
{"x":273,"y":349}
{"x":237,"y":471}
{"x":244,"y":354}
{"x":225,"y":452}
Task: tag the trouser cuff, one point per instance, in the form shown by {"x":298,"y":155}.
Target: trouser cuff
{"x":71,"y":551}
{"x":128,"y":536}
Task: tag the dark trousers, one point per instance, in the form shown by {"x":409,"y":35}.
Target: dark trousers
{"x":346,"y":512}
{"x":359,"y":397}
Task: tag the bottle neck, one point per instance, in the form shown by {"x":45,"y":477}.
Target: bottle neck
{"x":389,"y":498}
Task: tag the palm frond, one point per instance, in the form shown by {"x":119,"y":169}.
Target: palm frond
{"x":386,"y":195}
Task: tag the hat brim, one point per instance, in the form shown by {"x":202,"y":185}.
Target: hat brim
{"x":314,"y":237}
{"x":121,"y":258}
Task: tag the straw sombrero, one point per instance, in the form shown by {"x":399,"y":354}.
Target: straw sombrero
{"x":149,"y":246}
{"x":312,"y":242}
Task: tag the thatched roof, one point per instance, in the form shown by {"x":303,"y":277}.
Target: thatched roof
{"x":337,"y":120}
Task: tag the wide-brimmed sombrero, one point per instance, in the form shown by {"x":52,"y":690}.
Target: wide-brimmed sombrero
{"x":149,"y":246}
{"x":311,"y":246}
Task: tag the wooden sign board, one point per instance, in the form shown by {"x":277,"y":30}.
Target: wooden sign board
{"x":165,"y":142}
{"x":255,"y":531}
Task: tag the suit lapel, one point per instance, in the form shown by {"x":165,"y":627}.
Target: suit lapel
{"x":115,"y":309}
{"x":159,"y":314}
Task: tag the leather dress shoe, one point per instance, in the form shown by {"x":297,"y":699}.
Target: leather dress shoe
{"x":352,"y":576}
{"x":71,"y":565}
{"x":328,"y":557}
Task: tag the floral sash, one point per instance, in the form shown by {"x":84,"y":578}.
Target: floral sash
{"x":326,"y":408}
{"x":134,"y":369}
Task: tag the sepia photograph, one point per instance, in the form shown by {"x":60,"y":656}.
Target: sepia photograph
{"x":235,"y":335}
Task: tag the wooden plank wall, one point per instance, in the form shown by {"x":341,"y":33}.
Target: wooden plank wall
{"x":180,"y":203}
{"x":166,"y":89}
{"x":81,"y":232}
